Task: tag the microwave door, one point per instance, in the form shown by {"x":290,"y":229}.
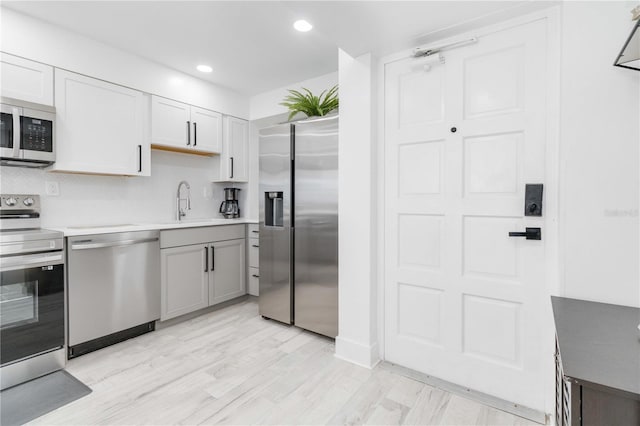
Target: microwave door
{"x":10,"y":131}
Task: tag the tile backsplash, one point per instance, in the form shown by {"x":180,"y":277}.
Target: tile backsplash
{"x":100,"y":200}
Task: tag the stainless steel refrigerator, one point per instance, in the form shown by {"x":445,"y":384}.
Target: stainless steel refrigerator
{"x":299,"y":224}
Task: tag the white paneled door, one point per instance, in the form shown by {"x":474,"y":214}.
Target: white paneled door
{"x":464,"y":302}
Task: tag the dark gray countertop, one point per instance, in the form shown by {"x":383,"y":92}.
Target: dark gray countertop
{"x":599,"y":343}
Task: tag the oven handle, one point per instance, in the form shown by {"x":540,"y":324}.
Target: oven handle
{"x":17,"y":132}
{"x":11,"y":263}
{"x":88,"y":246}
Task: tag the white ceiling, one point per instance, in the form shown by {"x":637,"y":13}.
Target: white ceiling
{"x":252,"y":45}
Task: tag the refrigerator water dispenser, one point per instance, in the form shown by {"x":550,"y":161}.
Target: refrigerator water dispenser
{"x":273,"y":202}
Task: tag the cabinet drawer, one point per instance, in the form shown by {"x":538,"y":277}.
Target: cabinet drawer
{"x":188,"y":236}
{"x":254,"y":230}
{"x":254,"y":282}
{"x":254,"y":253}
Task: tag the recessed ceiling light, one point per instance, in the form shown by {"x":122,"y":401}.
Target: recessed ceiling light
{"x":204,"y":68}
{"x":302,"y":26}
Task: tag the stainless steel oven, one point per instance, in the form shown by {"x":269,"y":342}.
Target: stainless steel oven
{"x":27,"y":136}
{"x":32,"y":299}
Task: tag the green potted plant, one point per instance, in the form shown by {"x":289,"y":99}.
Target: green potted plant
{"x":310,"y":104}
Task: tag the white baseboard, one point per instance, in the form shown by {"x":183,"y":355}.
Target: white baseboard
{"x":357,"y":353}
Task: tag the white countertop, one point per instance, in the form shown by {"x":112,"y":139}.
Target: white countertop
{"x":73,"y":231}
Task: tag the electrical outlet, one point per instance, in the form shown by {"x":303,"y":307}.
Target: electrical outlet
{"x":51,"y":188}
{"x":207,"y":192}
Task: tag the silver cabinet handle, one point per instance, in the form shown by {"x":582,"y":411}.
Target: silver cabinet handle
{"x":256,"y":232}
{"x":206,"y":258}
{"x":188,"y":133}
{"x":255,"y":245}
{"x":89,"y":245}
{"x":255,"y":276}
{"x":231,"y":175}
{"x":139,"y":158}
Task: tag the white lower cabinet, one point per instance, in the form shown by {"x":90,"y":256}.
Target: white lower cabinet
{"x":201,"y":267}
{"x":226,"y":277}
{"x":185,"y":283}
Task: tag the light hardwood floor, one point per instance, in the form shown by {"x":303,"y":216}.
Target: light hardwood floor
{"x":233,"y":367}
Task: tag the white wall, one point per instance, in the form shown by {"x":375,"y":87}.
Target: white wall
{"x":267,"y":104}
{"x":100,"y":200}
{"x":87,"y":200}
{"x":599,"y":140}
{"x":33,"y":39}
{"x":357,"y":336}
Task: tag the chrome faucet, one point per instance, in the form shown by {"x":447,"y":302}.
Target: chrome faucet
{"x":180,"y":213}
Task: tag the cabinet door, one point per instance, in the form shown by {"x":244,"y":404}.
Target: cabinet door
{"x":184,"y":279}
{"x":227,"y":277}
{"x":26,"y":80}
{"x":170,"y":123}
{"x":207,"y":130}
{"x":100,"y":126}
{"x":234,"y":166}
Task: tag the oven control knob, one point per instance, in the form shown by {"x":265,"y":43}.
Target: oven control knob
{"x":28,"y":201}
{"x":10,"y":201}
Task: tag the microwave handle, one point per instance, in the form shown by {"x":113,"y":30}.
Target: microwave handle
{"x":17,"y":131}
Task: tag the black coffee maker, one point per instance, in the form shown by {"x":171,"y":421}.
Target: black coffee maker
{"x":229,"y":208}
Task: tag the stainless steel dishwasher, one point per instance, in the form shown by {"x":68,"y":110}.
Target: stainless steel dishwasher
{"x":113,"y":288}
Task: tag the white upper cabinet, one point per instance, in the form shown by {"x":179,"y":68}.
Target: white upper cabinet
{"x":182,"y":127}
{"x":170,"y":122}
{"x":26,"y":80}
{"x":234,"y":161}
{"x":207,"y":130}
{"x":101,"y":128}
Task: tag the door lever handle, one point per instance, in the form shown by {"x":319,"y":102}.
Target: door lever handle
{"x":529,"y":234}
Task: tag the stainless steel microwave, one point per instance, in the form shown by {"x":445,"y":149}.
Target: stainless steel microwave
{"x":27,"y":137}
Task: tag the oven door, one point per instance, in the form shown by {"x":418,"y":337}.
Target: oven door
{"x":31,"y":305}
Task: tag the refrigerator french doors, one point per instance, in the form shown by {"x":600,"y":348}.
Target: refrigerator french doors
{"x":299,"y":224}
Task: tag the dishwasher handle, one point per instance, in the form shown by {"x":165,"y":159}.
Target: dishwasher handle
{"x":89,"y":245}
